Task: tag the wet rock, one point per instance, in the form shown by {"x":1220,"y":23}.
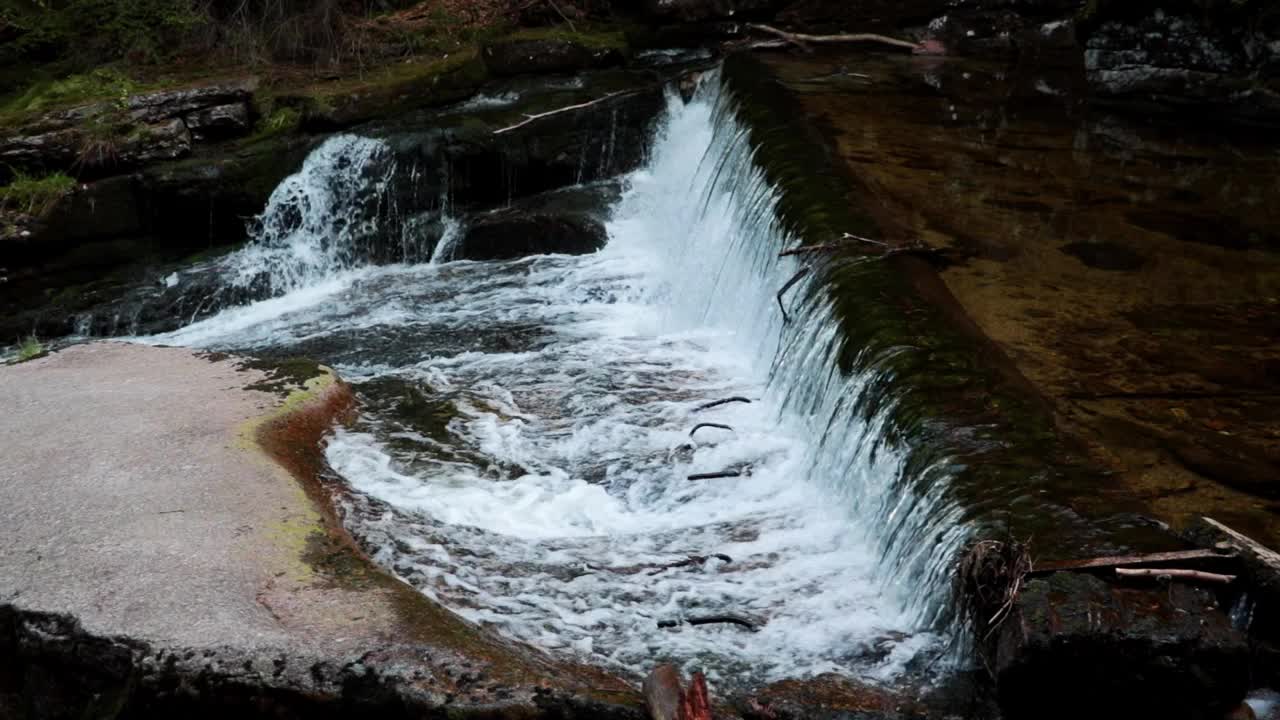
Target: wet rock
{"x":1077,"y":646}
{"x":534,"y":55}
{"x":109,"y":137}
{"x":220,"y":121}
{"x":1186,"y":59}
{"x":569,"y":221}
{"x":508,"y":234}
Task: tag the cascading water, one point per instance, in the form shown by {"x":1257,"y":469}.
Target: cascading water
{"x":319,"y":219}
{"x":525,"y":439}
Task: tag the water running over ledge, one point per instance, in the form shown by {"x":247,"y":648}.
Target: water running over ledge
{"x":523,"y":453}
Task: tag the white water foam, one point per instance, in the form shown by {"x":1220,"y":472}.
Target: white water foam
{"x":554,"y":486}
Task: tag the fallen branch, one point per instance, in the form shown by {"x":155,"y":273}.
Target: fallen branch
{"x":718,"y":403}
{"x":717,"y":426}
{"x":711,"y":620}
{"x":1175,"y":573}
{"x":716,"y":475}
{"x":801,"y":40}
{"x":1119,"y":561}
{"x":1262,"y":554}
{"x":794,"y":279}
{"x":538,"y":116}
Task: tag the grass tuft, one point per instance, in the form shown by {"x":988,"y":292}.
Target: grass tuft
{"x":34,"y":196}
{"x":30,"y":349}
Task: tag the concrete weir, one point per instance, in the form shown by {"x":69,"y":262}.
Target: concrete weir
{"x":168,"y":547}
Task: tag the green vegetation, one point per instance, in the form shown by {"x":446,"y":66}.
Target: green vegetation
{"x":30,"y":349}
{"x":281,"y":119}
{"x":592,"y":39}
{"x":87,"y":32}
{"x":103,"y":84}
{"x":34,"y":196}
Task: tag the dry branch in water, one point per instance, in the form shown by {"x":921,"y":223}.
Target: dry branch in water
{"x":712,"y":620}
{"x":568,"y":108}
{"x":794,"y":279}
{"x":802,"y":40}
{"x":717,"y":426}
{"x":718,"y":403}
{"x":1175,"y":574}
{"x":716,"y":475}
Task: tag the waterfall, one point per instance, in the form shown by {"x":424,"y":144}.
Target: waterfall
{"x":714,"y":211}
{"x":528,"y":434}
{"x":320,"y":220}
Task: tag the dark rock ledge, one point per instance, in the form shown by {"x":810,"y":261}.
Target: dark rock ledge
{"x":187,"y":563}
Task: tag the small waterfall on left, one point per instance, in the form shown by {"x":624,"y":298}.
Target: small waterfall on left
{"x":319,"y":219}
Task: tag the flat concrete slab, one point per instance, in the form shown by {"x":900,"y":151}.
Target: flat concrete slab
{"x":146,"y":519}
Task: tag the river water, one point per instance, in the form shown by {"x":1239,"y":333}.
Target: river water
{"x":524,"y":443}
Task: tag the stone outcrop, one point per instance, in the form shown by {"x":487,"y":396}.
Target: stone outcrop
{"x":188,"y":562}
{"x":1118,"y":652}
{"x":109,"y":137}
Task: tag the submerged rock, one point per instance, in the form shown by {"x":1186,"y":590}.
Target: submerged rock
{"x":1076,"y":646}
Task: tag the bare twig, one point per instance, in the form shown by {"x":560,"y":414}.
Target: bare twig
{"x":801,"y":39}
{"x":1175,"y":573}
{"x":717,"y":426}
{"x":711,"y":620}
{"x":560,"y":12}
{"x":718,"y":403}
{"x":716,"y":475}
{"x":821,"y":247}
{"x":794,"y":279}
{"x":568,"y":108}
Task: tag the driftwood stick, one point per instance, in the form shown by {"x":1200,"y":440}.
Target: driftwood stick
{"x":538,"y":116}
{"x":716,"y":475}
{"x":801,"y":39}
{"x":1119,"y":561}
{"x":1245,"y":544}
{"x":711,"y":620}
{"x":794,"y":279}
{"x":1175,"y":573}
{"x":718,"y":403}
{"x":717,"y":426}
{"x":663,"y":693}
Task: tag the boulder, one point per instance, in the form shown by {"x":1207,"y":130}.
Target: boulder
{"x":539,"y":55}
{"x":107,"y":137}
{"x":568,"y":221}
{"x":505,"y":235}
{"x":219,"y":121}
{"x":1076,"y":646}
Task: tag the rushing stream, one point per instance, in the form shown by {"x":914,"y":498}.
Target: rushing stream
{"x":525,"y":439}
